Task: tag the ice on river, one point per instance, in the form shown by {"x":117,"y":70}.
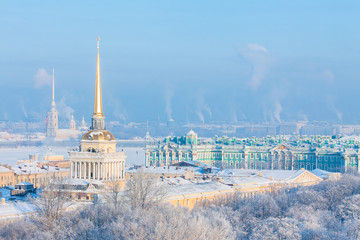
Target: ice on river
{"x":135,"y":155}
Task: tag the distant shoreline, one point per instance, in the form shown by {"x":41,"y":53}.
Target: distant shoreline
{"x":72,"y":143}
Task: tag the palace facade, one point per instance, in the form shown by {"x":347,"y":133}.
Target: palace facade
{"x":284,"y":154}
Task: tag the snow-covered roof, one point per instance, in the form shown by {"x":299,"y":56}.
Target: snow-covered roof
{"x":195,"y":165}
{"x":16,"y":209}
{"x":246,"y":176}
{"x":25,"y":184}
{"x":178,"y":187}
{"x":191,"y":133}
{"x":166,"y":170}
{"x":4,"y":169}
{"x":81,"y":182}
{"x":32,"y":167}
{"x":324,"y":174}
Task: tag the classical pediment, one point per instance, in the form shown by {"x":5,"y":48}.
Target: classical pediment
{"x":281,"y":147}
{"x":306,"y":177}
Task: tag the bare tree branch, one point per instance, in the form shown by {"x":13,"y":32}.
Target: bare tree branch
{"x":144,"y":190}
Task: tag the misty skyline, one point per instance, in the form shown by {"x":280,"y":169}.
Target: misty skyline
{"x":192,"y":62}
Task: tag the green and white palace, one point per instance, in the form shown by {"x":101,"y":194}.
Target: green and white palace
{"x":280,"y":152}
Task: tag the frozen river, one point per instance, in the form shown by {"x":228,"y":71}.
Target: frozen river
{"x":135,"y":155}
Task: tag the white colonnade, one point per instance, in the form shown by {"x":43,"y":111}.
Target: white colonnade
{"x":110,"y":170}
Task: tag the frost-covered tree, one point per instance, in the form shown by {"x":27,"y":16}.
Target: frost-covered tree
{"x":349,"y":208}
{"x":144,"y":190}
{"x":295,"y":213}
{"x":51,"y":202}
{"x":276,"y":228}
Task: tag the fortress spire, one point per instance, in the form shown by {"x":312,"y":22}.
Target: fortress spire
{"x":52,"y":116}
{"x":53,"y":90}
{"x":98,"y":118}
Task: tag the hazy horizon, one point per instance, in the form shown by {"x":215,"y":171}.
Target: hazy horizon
{"x":188,"y":61}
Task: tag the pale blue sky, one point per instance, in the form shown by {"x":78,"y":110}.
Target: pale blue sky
{"x":190,"y":60}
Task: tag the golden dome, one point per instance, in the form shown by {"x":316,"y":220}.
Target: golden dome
{"x":98,"y":135}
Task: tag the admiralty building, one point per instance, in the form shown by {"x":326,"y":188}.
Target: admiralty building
{"x":315,"y":152}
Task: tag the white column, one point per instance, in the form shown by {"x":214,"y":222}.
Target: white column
{"x":106,"y":170}
{"x":111,"y":170}
{"x":116,"y":171}
{"x":122,"y":170}
{"x":75,"y":170}
{"x":97,"y":171}
{"x":101,"y":170}
{"x":72,"y":169}
{"x":91,"y":170}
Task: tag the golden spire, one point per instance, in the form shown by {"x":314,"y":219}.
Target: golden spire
{"x":98,"y":101}
{"x":53,"y":91}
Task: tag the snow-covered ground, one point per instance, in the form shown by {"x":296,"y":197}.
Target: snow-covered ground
{"x":135,"y":155}
{"x":16,"y":209}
